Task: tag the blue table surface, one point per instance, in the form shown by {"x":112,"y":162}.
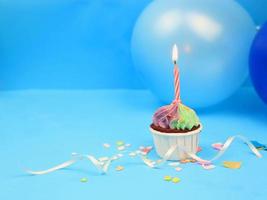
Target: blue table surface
{"x":41,"y":128}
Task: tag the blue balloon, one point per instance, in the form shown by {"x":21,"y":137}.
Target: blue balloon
{"x":258,"y":63}
{"x":214,"y":39}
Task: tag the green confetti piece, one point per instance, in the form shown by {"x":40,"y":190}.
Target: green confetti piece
{"x":84,"y":180}
{"x":119,"y":143}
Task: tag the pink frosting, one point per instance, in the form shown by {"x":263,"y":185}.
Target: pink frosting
{"x":165,"y":115}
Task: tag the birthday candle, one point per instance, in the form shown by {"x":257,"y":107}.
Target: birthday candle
{"x":165,"y":114}
{"x":176,"y":73}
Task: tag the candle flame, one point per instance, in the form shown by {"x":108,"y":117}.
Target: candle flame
{"x":175,"y":53}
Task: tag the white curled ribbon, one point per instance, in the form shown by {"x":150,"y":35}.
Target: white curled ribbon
{"x":227,"y":144}
{"x":102,"y":166}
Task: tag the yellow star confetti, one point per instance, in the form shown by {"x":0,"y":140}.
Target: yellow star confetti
{"x":232,"y":165}
{"x":119,"y":168}
{"x":176,"y":180}
{"x":167,"y":178}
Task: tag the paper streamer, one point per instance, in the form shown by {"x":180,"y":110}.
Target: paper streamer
{"x":226,"y":146}
{"x":103,"y":166}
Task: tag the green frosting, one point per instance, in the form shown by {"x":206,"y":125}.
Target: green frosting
{"x":187,"y":119}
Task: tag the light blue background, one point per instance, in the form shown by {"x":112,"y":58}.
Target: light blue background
{"x":75,"y":44}
{"x":72,"y":43}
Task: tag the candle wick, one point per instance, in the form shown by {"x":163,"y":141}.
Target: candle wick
{"x":175,"y":62}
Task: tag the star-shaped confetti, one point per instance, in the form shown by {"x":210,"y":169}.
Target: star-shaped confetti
{"x":232,"y":164}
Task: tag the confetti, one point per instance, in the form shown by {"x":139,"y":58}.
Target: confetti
{"x":119,"y":143}
{"x":83,"y":180}
{"x":199,"y":149}
{"x":217,"y":146}
{"x":167,"y":178}
{"x":120,"y":155}
{"x":132,"y":154}
{"x":103,"y":159}
{"x":146,"y":150}
{"x":204,"y":162}
{"x":176,"y":180}
{"x":208,"y":166}
{"x":115,"y":158}
{"x":174,"y":164}
{"x":128,"y":145}
{"x":193,"y":160}
{"x":148,"y":162}
{"x":121,"y":148}
{"x":119,"y":168}
{"x":184,"y":161}
{"x":106,"y":145}
{"x":232,"y":165}
{"x":178,"y":169}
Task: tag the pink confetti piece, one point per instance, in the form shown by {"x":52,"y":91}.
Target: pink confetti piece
{"x":178,"y":169}
{"x":146,"y":150}
{"x":199,"y":149}
{"x":208,"y":167}
{"x":217,"y":146}
{"x":204,"y":162}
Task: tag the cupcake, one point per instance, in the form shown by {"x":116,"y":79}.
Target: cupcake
{"x":175,"y":125}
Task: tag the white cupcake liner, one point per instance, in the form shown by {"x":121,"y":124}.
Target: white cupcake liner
{"x":186,"y":142}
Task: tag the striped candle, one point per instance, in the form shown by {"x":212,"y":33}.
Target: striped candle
{"x":166,"y":114}
{"x":176,"y":73}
